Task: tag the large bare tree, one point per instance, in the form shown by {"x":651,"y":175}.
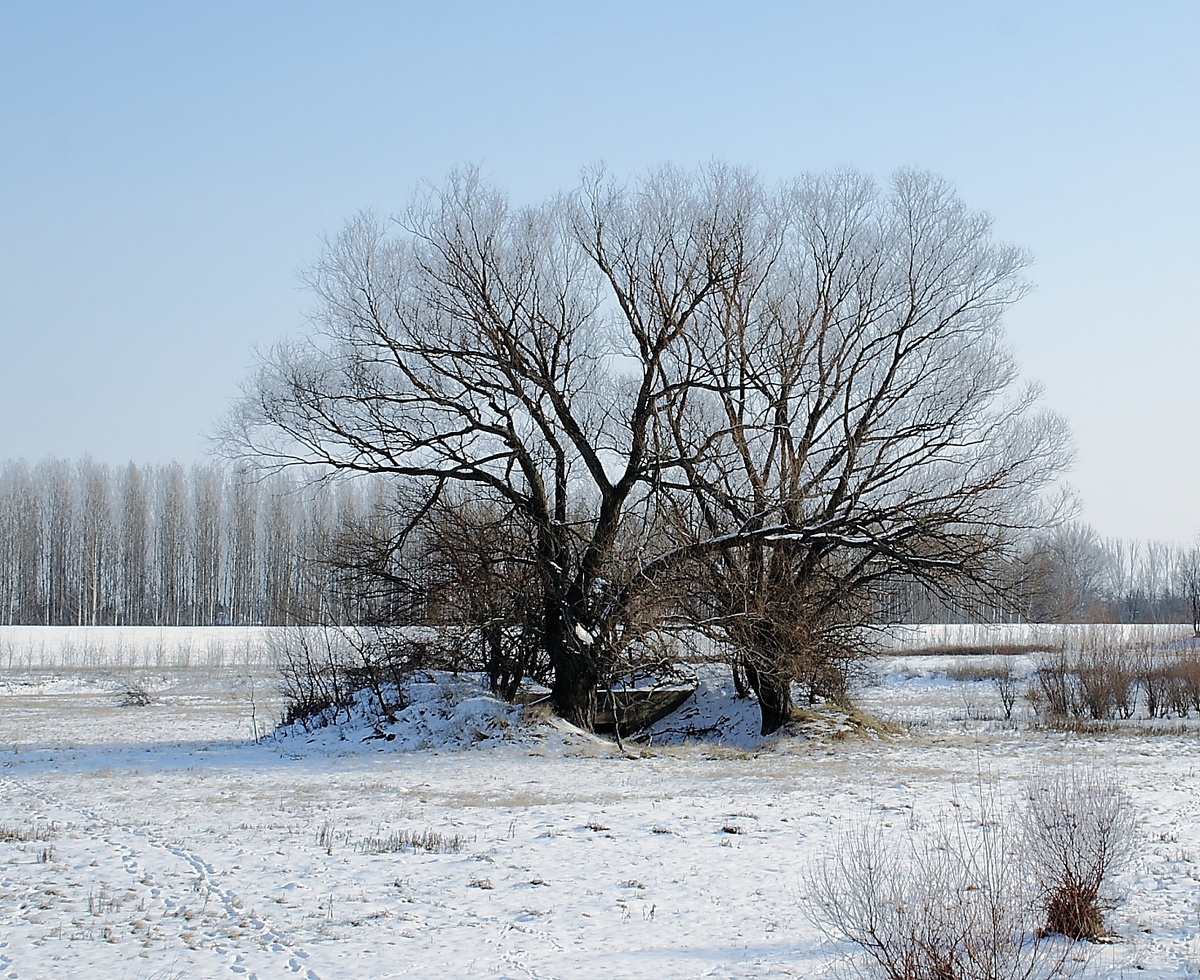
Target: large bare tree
{"x":851,"y":415}
{"x":771,"y":400}
{"x":519,"y":352}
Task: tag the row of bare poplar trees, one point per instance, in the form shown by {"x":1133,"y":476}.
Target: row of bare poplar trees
{"x":83,"y":543}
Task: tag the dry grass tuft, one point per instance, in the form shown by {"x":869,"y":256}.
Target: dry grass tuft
{"x":29,"y":832}
{"x":417,"y":842}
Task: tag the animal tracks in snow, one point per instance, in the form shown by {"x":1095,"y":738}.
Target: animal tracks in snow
{"x":173,"y":888}
{"x":216,"y":858}
{"x":6,"y":963}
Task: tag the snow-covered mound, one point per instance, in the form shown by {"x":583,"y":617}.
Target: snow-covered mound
{"x":441,"y":711}
{"x":455,"y":712}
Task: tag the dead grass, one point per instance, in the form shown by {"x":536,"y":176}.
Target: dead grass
{"x":960,"y":650}
{"x":840,"y":722}
{"x":29,"y":832}
{"x":414,"y":841}
{"x":974,"y":671}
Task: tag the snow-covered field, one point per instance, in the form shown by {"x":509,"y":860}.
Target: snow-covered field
{"x":135,"y":646}
{"x":161,"y":841}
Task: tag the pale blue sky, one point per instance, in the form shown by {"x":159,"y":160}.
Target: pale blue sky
{"x":167,"y":169}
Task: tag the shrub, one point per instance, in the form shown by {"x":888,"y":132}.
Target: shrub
{"x":323,"y":667}
{"x":1007,"y":687}
{"x":1184,"y":671}
{"x":987,"y":892}
{"x":1161,"y":687}
{"x":976,"y":670}
{"x":1096,"y":681}
{"x":954,"y":904}
{"x":1080,"y":831}
{"x":1053,"y":689}
{"x":134,"y":692}
{"x":1100,"y":681}
{"x":314,"y":668}
{"x":1107,"y":683}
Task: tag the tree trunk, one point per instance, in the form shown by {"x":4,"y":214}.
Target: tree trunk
{"x":505,"y":672}
{"x":774,"y":693}
{"x":573,"y":693}
{"x":497,"y":675}
{"x":573,"y":690}
{"x":741,"y":685}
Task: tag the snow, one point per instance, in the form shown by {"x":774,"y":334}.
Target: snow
{"x":177,"y":846}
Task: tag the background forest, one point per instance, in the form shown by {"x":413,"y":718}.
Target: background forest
{"x":83,"y":543}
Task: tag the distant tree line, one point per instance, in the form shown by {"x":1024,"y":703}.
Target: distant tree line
{"x":1069,"y":574}
{"x":1074,"y":576}
{"x":83,"y":543}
